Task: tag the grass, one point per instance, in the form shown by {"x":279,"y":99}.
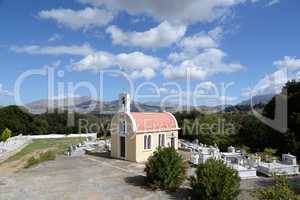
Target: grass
{"x":58,"y":146}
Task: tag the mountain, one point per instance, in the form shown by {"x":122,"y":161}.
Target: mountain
{"x":90,"y":105}
{"x":43,"y":105}
{"x":259,"y":99}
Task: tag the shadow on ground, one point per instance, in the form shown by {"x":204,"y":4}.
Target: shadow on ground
{"x":99,"y":154}
{"x":140,"y":181}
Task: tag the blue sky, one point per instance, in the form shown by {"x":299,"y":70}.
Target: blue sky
{"x":253,"y":44}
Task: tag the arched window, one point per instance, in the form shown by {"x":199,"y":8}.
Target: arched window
{"x":122,"y":127}
{"x":147,"y":142}
{"x":161,"y":140}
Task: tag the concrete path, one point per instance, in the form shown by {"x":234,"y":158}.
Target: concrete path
{"x":80,"y":178}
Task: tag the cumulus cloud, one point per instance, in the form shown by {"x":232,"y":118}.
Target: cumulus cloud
{"x":270,"y":84}
{"x":171,"y":10}
{"x":82,"y":50}
{"x":205,"y":64}
{"x":198,"y":41}
{"x":137,"y":63}
{"x":161,"y":36}
{"x":76,"y":19}
{"x":292,"y":63}
{"x":192,"y":45}
{"x":288,"y":68}
{"x":179,"y":56}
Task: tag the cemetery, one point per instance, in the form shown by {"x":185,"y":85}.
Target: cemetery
{"x":247,"y":166}
{"x":90,"y":146}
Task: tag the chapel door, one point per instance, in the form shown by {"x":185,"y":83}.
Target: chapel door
{"x":122,"y":147}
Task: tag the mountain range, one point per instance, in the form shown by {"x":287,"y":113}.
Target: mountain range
{"x":87,"y":104}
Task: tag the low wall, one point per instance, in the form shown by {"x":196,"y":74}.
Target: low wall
{"x":6,"y":155}
{"x":54,"y":136}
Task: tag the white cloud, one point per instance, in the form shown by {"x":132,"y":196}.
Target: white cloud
{"x":161,"y":36}
{"x":288,"y":68}
{"x":136,"y":63}
{"x":76,"y":19}
{"x":82,"y":50}
{"x":292,"y":63}
{"x":4,"y":92}
{"x":268,"y":4}
{"x":270,"y":84}
{"x":177,"y":57}
{"x":216,"y":33}
{"x":192,"y":45}
{"x":272,"y":2}
{"x":147,"y":73}
{"x":198,"y":41}
{"x":55,"y":37}
{"x":171,"y":10}
{"x":205,"y":64}
{"x":137,"y":60}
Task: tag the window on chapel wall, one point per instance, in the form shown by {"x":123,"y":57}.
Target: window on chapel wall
{"x":122,"y":127}
{"x":161,"y":140}
{"x":147,"y":142}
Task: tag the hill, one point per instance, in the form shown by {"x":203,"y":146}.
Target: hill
{"x":259,"y":99}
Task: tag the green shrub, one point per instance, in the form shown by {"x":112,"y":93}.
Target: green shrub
{"x":165,"y":169}
{"x":5,"y":135}
{"x":215,"y":181}
{"x":48,"y":155}
{"x":279,"y":190}
{"x":45,"y":156}
{"x":31,"y":161}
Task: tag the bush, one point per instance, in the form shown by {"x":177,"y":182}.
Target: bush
{"x":5,"y":135}
{"x":165,"y":169}
{"x":214,"y":180}
{"x":48,"y":155}
{"x":280,"y":190}
{"x":31,"y":161}
{"x":45,"y":156}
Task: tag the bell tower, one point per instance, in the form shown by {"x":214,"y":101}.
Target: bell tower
{"x":124,"y":102}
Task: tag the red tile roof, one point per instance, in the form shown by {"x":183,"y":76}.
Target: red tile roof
{"x":152,"y":121}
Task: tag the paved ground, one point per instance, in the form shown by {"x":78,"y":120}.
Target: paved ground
{"x":87,"y":178}
{"x":81,"y":178}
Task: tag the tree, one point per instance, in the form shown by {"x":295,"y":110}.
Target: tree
{"x":165,"y":169}
{"x":5,"y":135}
{"x":215,"y":180}
{"x":280,"y":190}
{"x":269,"y":154}
{"x":39,"y":126}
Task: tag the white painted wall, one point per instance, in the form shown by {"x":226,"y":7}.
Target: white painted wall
{"x":54,"y":136}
